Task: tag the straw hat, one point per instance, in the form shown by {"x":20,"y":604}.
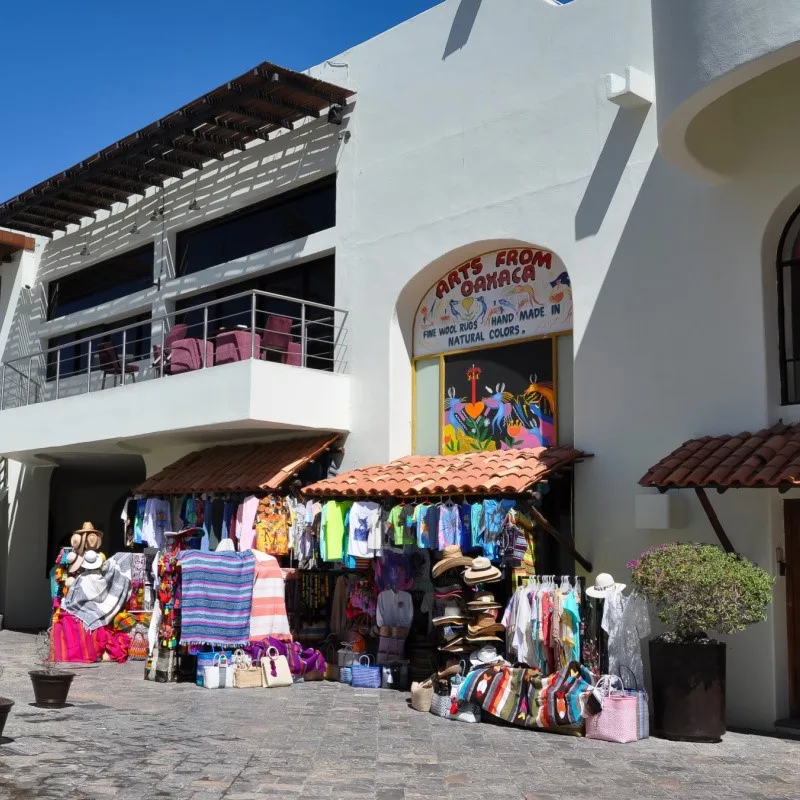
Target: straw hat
{"x":458,"y":645}
{"x":452,"y":557}
{"x":87,"y":527}
{"x":92,"y":560}
{"x":483,"y":601}
{"x":485,"y":624}
{"x":482,"y":571}
{"x":603,"y":584}
{"x":452,"y":613}
{"x":483,"y":637}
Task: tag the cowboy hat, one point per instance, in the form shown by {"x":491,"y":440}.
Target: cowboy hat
{"x":87,"y":527}
{"x":452,"y":613}
{"x":484,"y":656}
{"x":458,"y":645}
{"x":92,"y":560}
{"x":489,"y":637}
{"x":483,"y":601}
{"x":452,"y":557}
{"x":485,"y":624}
{"x":603,"y":584}
{"x":481,"y":571}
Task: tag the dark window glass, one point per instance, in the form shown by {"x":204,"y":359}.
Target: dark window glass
{"x":314,"y":282}
{"x":109,"y":280}
{"x":280,"y":219}
{"x":789,"y":309}
{"x":73,"y":354}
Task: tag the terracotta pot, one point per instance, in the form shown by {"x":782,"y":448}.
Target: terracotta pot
{"x":51,"y":688}
{"x":688,"y":690}
{"x":5,"y":708}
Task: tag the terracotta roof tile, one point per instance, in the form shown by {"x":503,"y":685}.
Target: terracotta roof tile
{"x":497,"y":472}
{"x":237,"y":468}
{"x":768,"y":458}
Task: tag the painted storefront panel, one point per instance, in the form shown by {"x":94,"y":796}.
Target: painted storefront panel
{"x":502,"y":296}
{"x":500,"y":398}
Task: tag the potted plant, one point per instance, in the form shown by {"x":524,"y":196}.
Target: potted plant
{"x":50,"y":685}
{"x":5,"y":708}
{"x":697,"y":589}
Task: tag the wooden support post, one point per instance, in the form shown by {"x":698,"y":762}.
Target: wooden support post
{"x":539,"y":519}
{"x":714,"y":520}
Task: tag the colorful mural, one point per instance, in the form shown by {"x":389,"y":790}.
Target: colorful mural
{"x":499,"y":398}
{"x":503,"y":296}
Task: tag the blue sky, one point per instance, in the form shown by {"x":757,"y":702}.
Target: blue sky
{"x":77,"y":75}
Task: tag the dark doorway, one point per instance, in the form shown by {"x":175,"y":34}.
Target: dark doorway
{"x":791,"y":521}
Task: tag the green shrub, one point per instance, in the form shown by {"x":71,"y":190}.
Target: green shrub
{"x":699,"y":588}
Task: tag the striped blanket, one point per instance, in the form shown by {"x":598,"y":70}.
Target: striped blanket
{"x":216,"y":597}
{"x":268,"y":615}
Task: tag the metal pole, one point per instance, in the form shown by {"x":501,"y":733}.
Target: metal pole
{"x":303,"y":342}
{"x":124,"y":370}
{"x":163,"y":353}
{"x":3,"y":389}
{"x":205,"y":335}
{"x":28,"y":393}
{"x":89,"y":367}
{"x":58,"y":369}
{"x":253,"y":326}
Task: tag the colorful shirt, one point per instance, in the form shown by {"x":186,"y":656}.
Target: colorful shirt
{"x":421,"y":521}
{"x":272,"y":526}
{"x":364,"y":530}
{"x":396,"y":524}
{"x":477,"y":523}
{"x":449,"y":525}
{"x":465,"y":512}
{"x":335,"y":513}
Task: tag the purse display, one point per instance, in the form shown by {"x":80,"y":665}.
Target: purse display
{"x":220,"y":675}
{"x":617,"y":722}
{"x":276,"y":669}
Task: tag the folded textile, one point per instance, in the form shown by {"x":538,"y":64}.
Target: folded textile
{"x":268,"y":613}
{"x":216,"y":597}
{"x":71,"y":642}
{"x":97,"y":597}
{"x":302,"y":660}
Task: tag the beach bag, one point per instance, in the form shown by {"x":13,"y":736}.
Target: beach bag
{"x":245,"y":675}
{"x":276,"y":669}
{"x":162,"y":666}
{"x":366,"y":676}
{"x":440,"y":702}
{"x":346,"y":675}
{"x":220,"y":675}
{"x":617,"y":722}
{"x":460,"y":710}
{"x":345,"y":656}
{"x":138,"y":648}
{"x":422,"y":695}
{"x":642,"y":705}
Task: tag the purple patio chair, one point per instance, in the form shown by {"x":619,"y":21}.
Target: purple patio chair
{"x":111,"y":365}
{"x":176,"y":333}
{"x":277,"y":333}
{"x":294,"y":354}
{"x":236,"y":346}
{"x":187,"y":355}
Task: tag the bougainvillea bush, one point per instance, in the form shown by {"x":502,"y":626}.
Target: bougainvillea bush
{"x":699,"y":588}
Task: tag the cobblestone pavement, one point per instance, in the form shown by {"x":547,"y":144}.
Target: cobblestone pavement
{"x":127,"y":738}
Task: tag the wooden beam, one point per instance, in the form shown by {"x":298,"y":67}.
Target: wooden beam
{"x":122,"y":172}
{"x":85,"y":208}
{"x":238,"y":127}
{"x":48,"y":212}
{"x":714,"y":520}
{"x":155,"y":164}
{"x":315,"y":90}
{"x":101,"y":189}
{"x":28,"y":227}
{"x":207,"y":136}
{"x":271,"y":98}
{"x":45,"y":223}
{"x":261,"y":116}
{"x":191,"y":150}
{"x":563,"y":540}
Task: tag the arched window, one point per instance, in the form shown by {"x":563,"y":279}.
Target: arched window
{"x":789,"y":309}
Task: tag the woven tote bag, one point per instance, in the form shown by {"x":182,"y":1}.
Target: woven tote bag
{"x":365,"y":676}
{"x":421,"y":695}
{"x":619,"y":719}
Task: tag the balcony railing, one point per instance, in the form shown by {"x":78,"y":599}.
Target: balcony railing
{"x":250,"y":325}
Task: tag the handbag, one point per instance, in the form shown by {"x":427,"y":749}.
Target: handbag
{"x":346,"y":675}
{"x":461,"y":710}
{"x":162,"y":666}
{"x":276,"y":669}
{"x":617,"y":722}
{"x":642,"y":705}
{"x":220,"y":675}
{"x":139,"y":647}
{"x":345,"y":656}
{"x":245,"y":675}
{"x":366,"y":676}
{"x":421,"y":695}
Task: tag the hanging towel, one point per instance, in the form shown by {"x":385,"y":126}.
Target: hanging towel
{"x":216,"y":597}
{"x":268,"y":615}
{"x":97,"y":597}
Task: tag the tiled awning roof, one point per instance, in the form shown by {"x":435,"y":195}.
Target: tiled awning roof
{"x":768,"y":458}
{"x":237,"y":468}
{"x":496,"y":472}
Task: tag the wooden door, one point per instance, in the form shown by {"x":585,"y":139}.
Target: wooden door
{"x":791,"y":521}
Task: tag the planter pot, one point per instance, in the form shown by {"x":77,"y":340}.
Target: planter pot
{"x":51,"y":688}
{"x":5,"y":708}
{"x":688,"y":690}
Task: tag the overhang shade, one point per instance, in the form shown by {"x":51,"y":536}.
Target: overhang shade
{"x":238,"y":468}
{"x":10,"y":243}
{"x":769,"y":458}
{"x":248,"y":108}
{"x":490,"y":473}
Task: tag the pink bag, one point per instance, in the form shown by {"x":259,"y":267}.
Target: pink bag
{"x":618,"y":721}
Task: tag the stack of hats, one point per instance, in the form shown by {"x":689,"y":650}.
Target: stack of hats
{"x":483,"y":626}
{"x":481,"y":571}
{"x":449,"y":595}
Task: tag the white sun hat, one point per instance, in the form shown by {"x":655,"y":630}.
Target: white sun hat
{"x":603,"y":584}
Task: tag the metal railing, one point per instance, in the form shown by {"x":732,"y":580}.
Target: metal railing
{"x":249,"y":325}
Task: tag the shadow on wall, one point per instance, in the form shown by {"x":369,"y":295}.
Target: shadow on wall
{"x":466,"y":14}
{"x":608,"y":171}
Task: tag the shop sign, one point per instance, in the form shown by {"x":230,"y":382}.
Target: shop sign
{"x":499,"y":297}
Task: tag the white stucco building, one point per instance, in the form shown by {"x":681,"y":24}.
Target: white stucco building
{"x":648,"y":150}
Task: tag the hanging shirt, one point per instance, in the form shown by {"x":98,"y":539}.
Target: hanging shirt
{"x":334,"y":530}
{"x":394,"y":609}
{"x":449,"y":525}
{"x":465,"y":513}
{"x":156,"y":522}
{"x":626,"y":621}
{"x":138,"y":522}
{"x":477,"y":523}
{"x":272,"y":526}
{"x":364,"y":530}
{"x":421,"y":521}
{"x":245,"y":522}
{"x":495,"y":514}
{"x":397,"y":523}
{"x":571,"y":627}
